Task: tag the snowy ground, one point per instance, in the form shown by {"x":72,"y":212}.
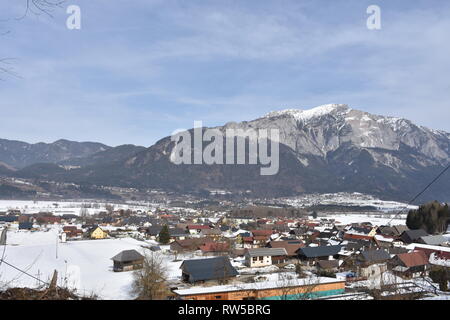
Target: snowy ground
{"x":83,"y":265}
{"x":344,"y":199}
{"x":63,"y":207}
{"x":377,"y":220}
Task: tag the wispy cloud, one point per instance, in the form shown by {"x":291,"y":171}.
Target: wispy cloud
{"x":139,"y":70}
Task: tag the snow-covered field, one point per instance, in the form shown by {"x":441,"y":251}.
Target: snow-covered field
{"x":344,"y":199}
{"x":377,"y":220}
{"x":64,"y":207}
{"x":82,"y":265}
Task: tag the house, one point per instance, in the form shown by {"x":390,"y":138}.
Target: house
{"x":436,"y":251}
{"x":262,"y":233}
{"x":360,"y":233}
{"x":262,"y":257}
{"x":196,"y":228}
{"x":218,"y":268}
{"x":96,"y":233}
{"x":411,"y":236}
{"x":9,"y":218}
{"x":392,"y":231}
{"x":328,"y":265}
{"x":72,"y":231}
{"x":433,"y":240}
{"x":152,"y":233}
{"x":189,"y":244}
{"x":412,"y":264}
{"x":215,"y":234}
{"x":25,"y":226}
{"x":372,"y":262}
{"x":291,"y":246}
{"x":127,"y":260}
{"x":177,"y":234}
{"x":313,"y":254}
{"x":215,"y":248}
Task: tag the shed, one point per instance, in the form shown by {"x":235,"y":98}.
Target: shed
{"x":128,"y":260}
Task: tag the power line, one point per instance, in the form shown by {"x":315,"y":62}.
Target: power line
{"x":24,"y":272}
{"x":421,"y":192}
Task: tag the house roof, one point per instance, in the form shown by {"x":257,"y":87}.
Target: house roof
{"x":266,"y":252}
{"x":90,"y":230}
{"x":257,"y":286}
{"x":433,"y":240}
{"x":192,"y":243}
{"x":127,"y":255}
{"x":211,"y":232}
{"x":412,"y":235}
{"x":328,"y":264}
{"x":375,"y":255}
{"x":320,"y":251}
{"x":215,"y":247}
{"x":25,"y":225}
{"x":208,"y":269}
{"x":413,"y":259}
{"x":291,"y":246}
{"x":261,"y":232}
{"x":197,"y":226}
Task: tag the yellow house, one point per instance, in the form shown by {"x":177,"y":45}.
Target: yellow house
{"x":373,"y":232}
{"x":97,"y":233}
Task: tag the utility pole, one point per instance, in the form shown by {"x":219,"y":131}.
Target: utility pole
{"x":57,"y":240}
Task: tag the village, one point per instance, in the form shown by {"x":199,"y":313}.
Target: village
{"x":217,"y":255}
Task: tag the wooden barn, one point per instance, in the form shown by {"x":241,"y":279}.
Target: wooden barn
{"x":127,"y":260}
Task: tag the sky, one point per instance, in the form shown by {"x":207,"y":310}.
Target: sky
{"x":138,"y":70}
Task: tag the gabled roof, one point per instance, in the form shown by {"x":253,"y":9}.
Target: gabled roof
{"x":127,"y":255}
{"x":95,"y":227}
{"x":208,"y":269}
{"x":413,"y":259}
{"x":412,"y":235}
{"x":266,"y":252}
{"x":433,"y":240}
{"x":328,"y":264}
{"x":291,"y":246}
{"x":261,"y":232}
{"x":320,"y":251}
{"x":215,"y":247}
{"x":375,"y":255}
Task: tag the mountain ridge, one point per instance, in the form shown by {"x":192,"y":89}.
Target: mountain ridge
{"x":330,"y":148}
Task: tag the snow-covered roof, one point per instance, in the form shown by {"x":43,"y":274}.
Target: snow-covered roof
{"x":258,"y":286}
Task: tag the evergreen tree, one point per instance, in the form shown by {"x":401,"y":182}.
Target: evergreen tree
{"x":433,"y":217}
{"x":164,"y":235}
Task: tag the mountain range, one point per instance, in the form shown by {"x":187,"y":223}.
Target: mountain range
{"x":327,"y":149}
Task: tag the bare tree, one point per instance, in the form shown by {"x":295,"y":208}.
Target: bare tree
{"x":36,"y":7}
{"x":149,"y":283}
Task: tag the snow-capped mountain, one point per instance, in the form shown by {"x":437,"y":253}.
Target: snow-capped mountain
{"x":325,"y":129}
{"x":328,"y":149}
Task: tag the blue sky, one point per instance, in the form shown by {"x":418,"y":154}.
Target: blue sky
{"x":138,"y":70}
